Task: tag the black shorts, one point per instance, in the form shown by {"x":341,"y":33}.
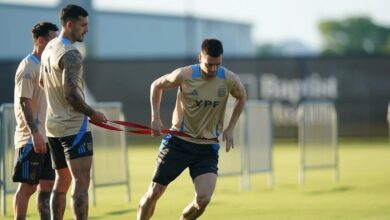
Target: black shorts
{"x":70,"y":147}
{"x":30,"y":167}
{"x":177,"y":154}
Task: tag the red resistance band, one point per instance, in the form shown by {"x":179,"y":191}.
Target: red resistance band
{"x":139,"y":129}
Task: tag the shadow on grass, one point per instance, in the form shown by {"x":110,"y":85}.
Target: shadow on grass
{"x":333,"y":190}
{"x":113,"y":213}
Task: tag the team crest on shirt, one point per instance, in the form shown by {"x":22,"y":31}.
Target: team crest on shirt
{"x":27,"y":76}
{"x":221,"y":92}
{"x":194,"y":93}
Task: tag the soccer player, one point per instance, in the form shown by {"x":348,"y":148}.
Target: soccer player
{"x":203,"y":91}
{"x":67,"y":128}
{"x":33,"y":167}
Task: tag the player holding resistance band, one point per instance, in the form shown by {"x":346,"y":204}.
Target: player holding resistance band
{"x":203,"y":91}
{"x":67,"y":126}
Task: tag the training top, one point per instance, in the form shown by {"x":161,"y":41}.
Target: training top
{"x":62,"y":119}
{"x":27,"y":86}
{"x":201,"y":103}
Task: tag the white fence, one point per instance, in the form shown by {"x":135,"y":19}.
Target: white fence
{"x":110,"y":163}
{"x":253,"y":141}
{"x":318,"y":138}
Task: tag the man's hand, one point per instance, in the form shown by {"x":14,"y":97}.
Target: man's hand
{"x":227,"y":136}
{"x":156,"y":126}
{"x":39,"y":143}
{"x":98,"y":117}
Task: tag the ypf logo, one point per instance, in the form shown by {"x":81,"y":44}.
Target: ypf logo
{"x":206,"y":103}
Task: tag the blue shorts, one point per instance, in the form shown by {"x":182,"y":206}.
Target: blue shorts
{"x":69,"y":148}
{"x":30,"y":167}
{"x":177,"y":154}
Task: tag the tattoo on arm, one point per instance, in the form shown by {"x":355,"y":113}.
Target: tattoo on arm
{"x":25,"y":103}
{"x":72,"y":64}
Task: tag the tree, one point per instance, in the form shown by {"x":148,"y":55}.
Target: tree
{"x":354,"y":36}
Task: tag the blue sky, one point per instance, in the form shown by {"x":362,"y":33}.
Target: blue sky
{"x":273,"y":20}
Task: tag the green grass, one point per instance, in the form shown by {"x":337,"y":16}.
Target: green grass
{"x":363,"y":191}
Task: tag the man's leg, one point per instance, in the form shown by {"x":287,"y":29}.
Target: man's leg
{"x":45,"y":186}
{"x":148,"y":202}
{"x":21,"y":198}
{"x":204,"y":189}
{"x":43,"y":199}
{"x":81,"y":170}
{"x":58,"y":196}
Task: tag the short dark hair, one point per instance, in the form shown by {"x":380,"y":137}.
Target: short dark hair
{"x":42,"y":29}
{"x":212,"y":47}
{"x":72,"y":12}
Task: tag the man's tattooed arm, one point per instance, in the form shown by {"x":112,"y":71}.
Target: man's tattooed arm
{"x":37,"y":139}
{"x":72,"y":64}
{"x":25,"y":103}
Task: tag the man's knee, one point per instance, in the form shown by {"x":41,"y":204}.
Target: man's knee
{"x":62,"y":185}
{"x":26,"y":189}
{"x":81,"y":178}
{"x":82,"y":181}
{"x":202,"y":201}
{"x":155,"y":192}
{"x":46,"y":185}
{"x":80,"y":196}
{"x":63,"y":180}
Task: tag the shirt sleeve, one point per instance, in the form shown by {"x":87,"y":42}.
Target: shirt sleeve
{"x":25,"y":85}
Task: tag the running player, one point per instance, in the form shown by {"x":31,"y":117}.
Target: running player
{"x":199,"y":113}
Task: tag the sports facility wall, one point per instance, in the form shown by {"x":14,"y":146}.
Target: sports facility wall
{"x":358,"y":86}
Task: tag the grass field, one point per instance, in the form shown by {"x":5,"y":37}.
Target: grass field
{"x":363,"y":191}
